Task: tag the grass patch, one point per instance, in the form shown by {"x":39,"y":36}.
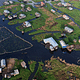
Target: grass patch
{"x":43,"y":75}
{"x":24,"y":29}
{"x":24,"y":73}
{"x":32,"y":65}
{"x":36,"y":32}
{"x":37,"y":23}
{"x":40,"y":37}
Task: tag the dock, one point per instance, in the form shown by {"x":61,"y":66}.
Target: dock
{"x":70,"y":48}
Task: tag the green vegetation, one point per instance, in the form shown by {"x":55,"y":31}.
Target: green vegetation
{"x":58,"y":70}
{"x":1,"y":11}
{"x":43,"y":75}
{"x":13,"y":9}
{"x":75,"y":3}
{"x":32,"y":65}
{"x":36,"y":32}
{"x":12,"y":22}
{"x":74,"y":13}
{"x":23,"y":28}
{"x":16,"y":9}
{"x":24,"y":73}
{"x":47,"y":23}
{"x":40,"y":37}
{"x":20,"y":0}
{"x":48,"y":7}
{"x":38,"y":23}
{"x":37,"y":0}
{"x":57,"y":35}
{"x":72,"y":36}
{"x":30,"y":15}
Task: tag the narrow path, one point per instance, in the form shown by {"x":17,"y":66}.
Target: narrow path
{"x":48,"y":32}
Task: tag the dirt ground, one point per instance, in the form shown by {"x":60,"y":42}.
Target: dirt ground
{"x":49,"y":21}
{"x":0,"y":13}
{"x":11,"y":6}
{"x":74,"y":0}
{"x":71,"y":23}
{"x":10,"y":65}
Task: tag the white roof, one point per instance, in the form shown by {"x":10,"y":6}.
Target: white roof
{"x":63,"y":44}
{"x":0,"y":69}
{"x":27,"y":24}
{"x":3,"y":63}
{"x":6,"y":2}
{"x":16,"y":71}
{"x":14,"y":15}
{"x":51,"y":48}
{"x":22,"y":5}
{"x":70,"y":8}
{"x":24,"y":0}
{"x":11,"y":2}
{"x":52,"y":10}
{"x":6,"y":11}
{"x":5,"y":76}
{"x":22,"y":15}
{"x":66,"y":17}
{"x":68,"y":29}
{"x":51,"y":41}
{"x":37,"y":14}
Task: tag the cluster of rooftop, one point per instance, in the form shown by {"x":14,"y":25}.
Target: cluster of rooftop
{"x":7,"y":66}
{"x":8,"y":2}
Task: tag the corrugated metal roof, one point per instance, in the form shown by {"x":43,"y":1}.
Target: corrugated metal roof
{"x":51,"y":41}
{"x":68,"y":29}
{"x":6,"y":11}
{"x":63,"y":44}
{"x":22,"y":15}
{"x":27,"y":24}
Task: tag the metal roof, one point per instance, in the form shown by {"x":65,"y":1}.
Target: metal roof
{"x":51,"y":41}
{"x":6,"y":11}
{"x":68,"y":29}
{"x":22,"y":15}
{"x":63,"y":44}
{"x":52,"y":10}
{"x":27,"y":24}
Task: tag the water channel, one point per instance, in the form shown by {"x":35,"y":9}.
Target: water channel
{"x":38,"y":52}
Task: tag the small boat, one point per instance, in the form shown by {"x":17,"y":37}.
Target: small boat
{"x":22,"y":31}
{"x":3,"y":19}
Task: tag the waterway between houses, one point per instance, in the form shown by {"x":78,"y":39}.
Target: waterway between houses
{"x":38,"y":51}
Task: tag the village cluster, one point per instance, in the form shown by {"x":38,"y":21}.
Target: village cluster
{"x":21,"y":16}
{"x":6,"y":66}
{"x":51,"y":41}
{"x":66,"y":5}
{"x":54,"y":45}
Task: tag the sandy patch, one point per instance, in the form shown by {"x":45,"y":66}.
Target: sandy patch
{"x":72,"y":23}
{"x":11,"y":6}
{"x":0,"y":13}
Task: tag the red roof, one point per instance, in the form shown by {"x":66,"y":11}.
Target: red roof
{"x":42,"y":3}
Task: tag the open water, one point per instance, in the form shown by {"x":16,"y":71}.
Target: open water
{"x":38,"y":51}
